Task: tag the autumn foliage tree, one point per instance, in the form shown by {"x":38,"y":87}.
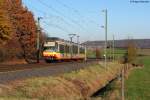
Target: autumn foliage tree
{"x":22,"y":42}
{"x":5,"y":24}
{"x":131,"y":53}
{"x":6,"y":30}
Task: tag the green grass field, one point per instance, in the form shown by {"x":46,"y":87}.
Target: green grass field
{"x":138,"y":83}
{"x":144,"y":52}
{"x":118,"y":53}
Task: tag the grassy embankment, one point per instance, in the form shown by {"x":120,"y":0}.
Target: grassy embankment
{"x":77,"y":85}
{"x":138,"y":83}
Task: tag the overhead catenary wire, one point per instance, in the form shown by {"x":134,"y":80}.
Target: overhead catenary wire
{"x":53,"y":25}
{"x":52,"y":16}
{"x":61,"y":14}
{"x":67,"y":20}
{"x":77,"y":13}
{"x":57,"y":26}
{"x":70,"y":8}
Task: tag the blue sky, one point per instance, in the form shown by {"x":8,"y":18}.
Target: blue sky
{"x":85,"y":18}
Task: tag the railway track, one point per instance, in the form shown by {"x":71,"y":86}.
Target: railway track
{"x":18,"y":72}
{"x":42,"y":64}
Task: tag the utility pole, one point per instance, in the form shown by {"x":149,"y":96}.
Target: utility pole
{"x":113,"y":48}
{"x":78,"y":44}
{"x":71,"y":38}
{"x":110,"y":46}
{"x":85,"y":59}
{"x":122,"y":85}
{"x":105,"y":11}
{"x":38,"y":39}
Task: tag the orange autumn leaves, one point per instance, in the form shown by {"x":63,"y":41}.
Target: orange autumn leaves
{"x":17,"y":30}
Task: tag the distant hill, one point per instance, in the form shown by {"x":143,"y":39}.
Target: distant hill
{"x":141,"y":43}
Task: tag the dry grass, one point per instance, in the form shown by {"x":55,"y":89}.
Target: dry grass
{"x":145,"y":52}
{"x":76,"y":85}
{"x":14,"y":62}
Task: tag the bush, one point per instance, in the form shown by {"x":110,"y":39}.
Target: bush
{"x":98,"y":53}
{"x":3,"y":54}
{"x":8,"y":54}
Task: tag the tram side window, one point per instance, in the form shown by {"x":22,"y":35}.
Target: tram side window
{"x":51,"y":48}
{"x":75,"y":49}
{"x":62,"y":49}
{"x":82,"y":50}
{"x":67,"y":49}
